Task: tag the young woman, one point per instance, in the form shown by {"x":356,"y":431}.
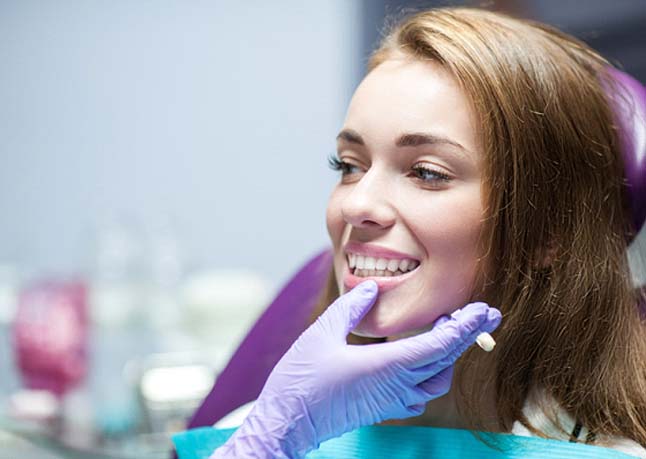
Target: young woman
{"x":480,"y":161}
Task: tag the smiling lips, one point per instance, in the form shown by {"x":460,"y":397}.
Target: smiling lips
{"x":366,"y":266}
{"x":387,"y":267}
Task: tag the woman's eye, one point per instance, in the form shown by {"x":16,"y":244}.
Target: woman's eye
{"x":344,"y":167}
{"x":428,"y":175}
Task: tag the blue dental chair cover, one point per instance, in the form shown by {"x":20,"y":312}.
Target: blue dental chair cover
{"x":407,"y":442}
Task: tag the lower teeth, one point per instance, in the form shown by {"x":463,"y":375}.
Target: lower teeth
{"x":376,"y":273}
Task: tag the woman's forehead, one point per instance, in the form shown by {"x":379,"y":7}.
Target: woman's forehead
{"x":410,"y":96}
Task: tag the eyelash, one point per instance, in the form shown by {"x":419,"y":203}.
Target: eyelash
{"x":339,"y":165}
{"x":438,"y":176}
{"x":418,"y":170}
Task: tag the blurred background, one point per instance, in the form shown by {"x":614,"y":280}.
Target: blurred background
{"x":164,"y":172}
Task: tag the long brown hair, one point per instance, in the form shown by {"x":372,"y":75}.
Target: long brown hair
{"x":554,"y":245}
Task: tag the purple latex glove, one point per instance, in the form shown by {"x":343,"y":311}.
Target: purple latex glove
{"x":323,"y":387}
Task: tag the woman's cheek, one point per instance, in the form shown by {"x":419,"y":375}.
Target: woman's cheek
{"x":334,"y":217}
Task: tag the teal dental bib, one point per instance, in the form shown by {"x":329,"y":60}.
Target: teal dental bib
{"x":407,"y":442}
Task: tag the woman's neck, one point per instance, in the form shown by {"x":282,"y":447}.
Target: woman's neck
{"x":441,"y":412}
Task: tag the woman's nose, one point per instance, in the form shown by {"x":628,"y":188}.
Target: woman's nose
{"x":368,"y":204}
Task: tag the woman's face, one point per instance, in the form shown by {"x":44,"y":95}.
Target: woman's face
{"x":408,"y":209}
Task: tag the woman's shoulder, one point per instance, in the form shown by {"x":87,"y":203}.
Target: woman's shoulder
{"x":545,"y":415}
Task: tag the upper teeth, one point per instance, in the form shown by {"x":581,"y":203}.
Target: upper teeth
{"x":381,"y":264}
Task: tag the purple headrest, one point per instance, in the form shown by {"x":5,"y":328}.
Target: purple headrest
{"x":629,"y":104}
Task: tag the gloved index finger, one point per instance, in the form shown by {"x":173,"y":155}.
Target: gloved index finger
{"x":348,"y":310}
{"x":438,"y":343}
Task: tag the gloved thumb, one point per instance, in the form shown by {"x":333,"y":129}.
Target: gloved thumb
{"x":348,"y":310}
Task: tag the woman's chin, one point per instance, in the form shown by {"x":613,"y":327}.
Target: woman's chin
{"x":372,"y":326}
{"x":377,"y":325}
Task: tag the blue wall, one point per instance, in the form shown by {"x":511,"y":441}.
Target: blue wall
{"x":216,"y":114}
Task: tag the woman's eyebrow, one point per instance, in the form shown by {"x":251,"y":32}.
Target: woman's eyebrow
{"x":411,"y":139}
{"x":415,"y":139}
{"x":350,"y":136}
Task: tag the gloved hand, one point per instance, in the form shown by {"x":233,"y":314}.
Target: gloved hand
{"x":323,"y":387}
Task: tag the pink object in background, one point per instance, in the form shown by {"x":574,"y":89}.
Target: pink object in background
{"x":50,"y":335}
